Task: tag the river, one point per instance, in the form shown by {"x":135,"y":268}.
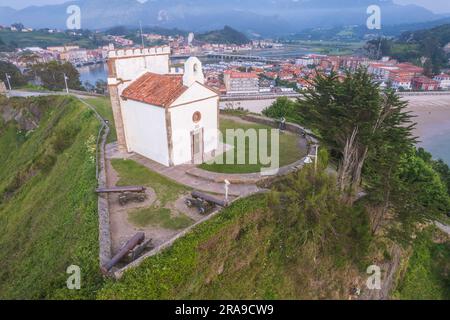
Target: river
{"x":92,"y":73}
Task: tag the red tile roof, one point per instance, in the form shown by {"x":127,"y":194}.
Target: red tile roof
{"x":237,"y":74}
{"x":156,"y":89}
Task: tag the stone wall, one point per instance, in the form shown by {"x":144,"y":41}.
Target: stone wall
{"x":104,"y":233}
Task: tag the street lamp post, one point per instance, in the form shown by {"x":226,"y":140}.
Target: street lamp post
{"x":65,"y":81}
{"x":8,"y":78}
{"x":227,"y":185}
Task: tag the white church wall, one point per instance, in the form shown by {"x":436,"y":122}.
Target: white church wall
{"x":196,"y":92}
{"x":146,"y":132}
{"x":183,"y":125}
{"x":131,"y":68}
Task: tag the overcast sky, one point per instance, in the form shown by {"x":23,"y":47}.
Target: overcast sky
{"x":438,"y":6}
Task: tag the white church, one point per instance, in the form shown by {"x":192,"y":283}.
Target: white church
{"x":162,"y":113}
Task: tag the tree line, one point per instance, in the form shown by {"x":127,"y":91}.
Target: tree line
{"x":368,"y":134}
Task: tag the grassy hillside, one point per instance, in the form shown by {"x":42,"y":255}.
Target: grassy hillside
{"x":103,"y":107}
{"x":48,"y":208}
{"x":219,"y":259}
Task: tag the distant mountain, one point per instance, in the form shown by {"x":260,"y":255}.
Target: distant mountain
{"x":267,"y":17}
{"x":360,"y":32}
{"x":226,"y":35}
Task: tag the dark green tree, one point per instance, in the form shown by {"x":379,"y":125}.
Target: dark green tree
{"x":355,"y":119}
{"x":17,"y":78}
{"x":282,"y":107}
{"x":52,"y":75}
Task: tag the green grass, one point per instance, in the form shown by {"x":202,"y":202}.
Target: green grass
{"x":289,"y":150}
{"x":103,"y":107}
{"x":161,"y":217}
{"x":427,"y":276}
{"x":167,"y":191}
{"x":48,"y":207}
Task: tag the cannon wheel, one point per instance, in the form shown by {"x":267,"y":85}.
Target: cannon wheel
{"x":189,"y":203}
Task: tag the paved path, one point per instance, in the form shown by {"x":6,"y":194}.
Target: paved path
{"x":179,"y":174}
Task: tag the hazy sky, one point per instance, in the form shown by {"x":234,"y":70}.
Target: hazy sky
{"x":438,"y":6}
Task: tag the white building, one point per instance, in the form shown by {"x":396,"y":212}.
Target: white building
{"x":241,"y":82}
{"x":444,"y":81}
{"x":400,"y":83}
{"x":168,"y":117}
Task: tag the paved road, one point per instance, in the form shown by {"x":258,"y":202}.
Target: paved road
{"x":26,"y":94}
{"x":19,"y":93}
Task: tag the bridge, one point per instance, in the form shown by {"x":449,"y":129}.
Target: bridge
{"x":229,"y":56}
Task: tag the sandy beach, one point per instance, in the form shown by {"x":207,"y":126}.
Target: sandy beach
{"x":433,"y":123}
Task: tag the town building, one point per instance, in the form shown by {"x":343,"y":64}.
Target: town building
{"x":304,"y":61}
{"x":401,"y":83}
{"x":241,"y":82}
{"x":423,"y":83}
{"x":168,"y":117}
{"x":63,"y":48}
{"x":444,"y":81}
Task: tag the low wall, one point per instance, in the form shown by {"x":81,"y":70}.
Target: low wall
{"x":104,"y":232}
{"x":425,"y":93}
{"x":291,"y":127}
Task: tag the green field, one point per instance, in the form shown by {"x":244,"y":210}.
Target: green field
{"x":289,"y":149}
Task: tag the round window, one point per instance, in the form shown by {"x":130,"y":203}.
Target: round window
{"x":196,"y":117}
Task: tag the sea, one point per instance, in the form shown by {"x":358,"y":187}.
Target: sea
{"x":92,"y":73}
{"x":438,"y":145}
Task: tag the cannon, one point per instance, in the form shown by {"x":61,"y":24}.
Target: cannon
{"x":205,"y":203}
{"x":126,"y":194}
{"x":135,"y":241}
{"x":204,"y":207}
{"x":126,"y":197}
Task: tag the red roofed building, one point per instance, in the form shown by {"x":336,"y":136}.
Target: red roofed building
{"x":166,"y":117}
{"x":423,"y":83}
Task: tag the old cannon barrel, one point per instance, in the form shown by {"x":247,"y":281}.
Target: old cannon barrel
{"x":209,"y":198}
{"x":137,"y":239}
{"x":121,"y":189}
